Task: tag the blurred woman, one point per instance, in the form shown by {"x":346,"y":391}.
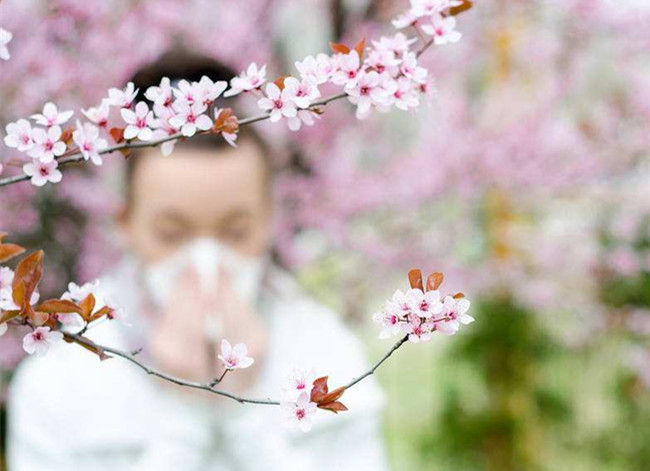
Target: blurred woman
{"x":197,"y":226}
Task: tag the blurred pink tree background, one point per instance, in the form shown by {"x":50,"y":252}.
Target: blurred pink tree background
{"x":528,"y":174}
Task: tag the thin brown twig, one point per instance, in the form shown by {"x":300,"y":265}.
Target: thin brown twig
{"x":102,"y":351}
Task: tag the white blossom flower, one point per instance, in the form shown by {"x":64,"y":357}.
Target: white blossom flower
{"x":87,"y":138}
{"x":161,"y":95}
{"x":122,"y":98}
{"x":139,"y":122}
{"x":347,"y":71}
{"x":278,"y":103}
{"x":319,"y":69}
{"x":418,"y":329}
{"x":99,"y":114}
{"x":42,"y":172}
{"x":19,"y":135}
{"x":412,"y":70}
{"x":163,"y":128}
{"x":454,"y":313}
{"x":399,"y":44}
{"x":390,"y":322}
{"x":299,"y":412}
{"x":209,"y":91}
{"x":234,"y":357}
{"x":190,"y":118}
{"x":403,"y":94}
{"x":51,"y":116}
{"x":248,"y":80}
{"x":306,"y":117}
{"x":366,"y":93}
{"x":40,"y":340}
{"x":302,"y":93}
{"x":443,"y":30}
{"x":5,"y":38}
{"x":47,"y":144}
{"x":424,"y":304}
{"x":298,"y":382}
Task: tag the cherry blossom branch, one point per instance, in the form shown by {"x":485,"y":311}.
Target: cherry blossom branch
{"x":79,"y":157}
{"x":210,"y":386}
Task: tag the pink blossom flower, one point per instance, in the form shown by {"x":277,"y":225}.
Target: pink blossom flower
{"x":164,"y":129}
{"x":189,"y":92}
{"x":424,"y":304}
{"x":209,"y":91}
{"x":277,"y":103}
{"x":298,"y":382}
{"x":367,"y":93}
{"x":248,"y":80}
{"x":412,"y":70}
{"x":302,"y":93}
{"x":453,"y":315}
{"x":99,"y":114}
{"x":47,"y":144}
{"x":87,"y":138}
{"x":398,"y":304}
{"x":139,"y":122}
{"x":51,"y":116}
{"x":390,"y":322}
{"x":306,"y":117}
{"x":432,"y":7}
{"x":442,"y":29}
{"x":299,"y":412}
{"x":399,"y":44}
{"x":5,"y":38}
{"x":161,"y":95}
{"x":19,"y":135}
{"x":234,"y":357}
{"x":406,"y":19}
{"x":318,"y":69}
{"x":40,"y":340}
{"x":347,"y":71}
{"x":190,"y":118}
{"x":382,"y":60}
{"x":122,"y":98}
{"x":43,"y":172}
{"x":403,"y":94}
{"x":418,"y":329}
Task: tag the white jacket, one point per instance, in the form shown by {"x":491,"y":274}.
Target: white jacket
{"x":68,"y":411}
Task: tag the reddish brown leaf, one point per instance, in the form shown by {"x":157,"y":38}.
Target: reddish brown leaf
{"x":459,"y":296}
{"x":8,"y":315}
{"x":59,"y":306}
{"x":226,"y":122}
{"x":105,"y":311}
{"x":87,"y":306}
{"x":18,"y":293}
{"x":339,"y":48}
{"x":117,"y":134}
{"x":279,"y":82}
{"x":9,"y":251}
{"x":434,"y":281}
{"x":360,"y":47}
{"x":333,"y":396}
{"x":66,"y":136}
{"x":335,"y":407}
{"x":319,"y":390}
{"x":29,"y":271}
{"x":464,"y":6}
{"x":415,"y":279}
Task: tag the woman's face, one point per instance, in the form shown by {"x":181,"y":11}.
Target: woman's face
{"x":195,"y":193}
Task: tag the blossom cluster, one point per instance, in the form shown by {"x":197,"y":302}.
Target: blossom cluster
{"x":385,"y":75}
{"x":420,"y":312}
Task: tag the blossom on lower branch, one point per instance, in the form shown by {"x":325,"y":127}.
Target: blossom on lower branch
{"x":40,"y":340}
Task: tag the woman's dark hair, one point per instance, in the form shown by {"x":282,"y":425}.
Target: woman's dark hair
{"x":181,"y":64}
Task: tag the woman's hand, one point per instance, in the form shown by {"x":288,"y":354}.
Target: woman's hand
{"x":179,"y":341}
